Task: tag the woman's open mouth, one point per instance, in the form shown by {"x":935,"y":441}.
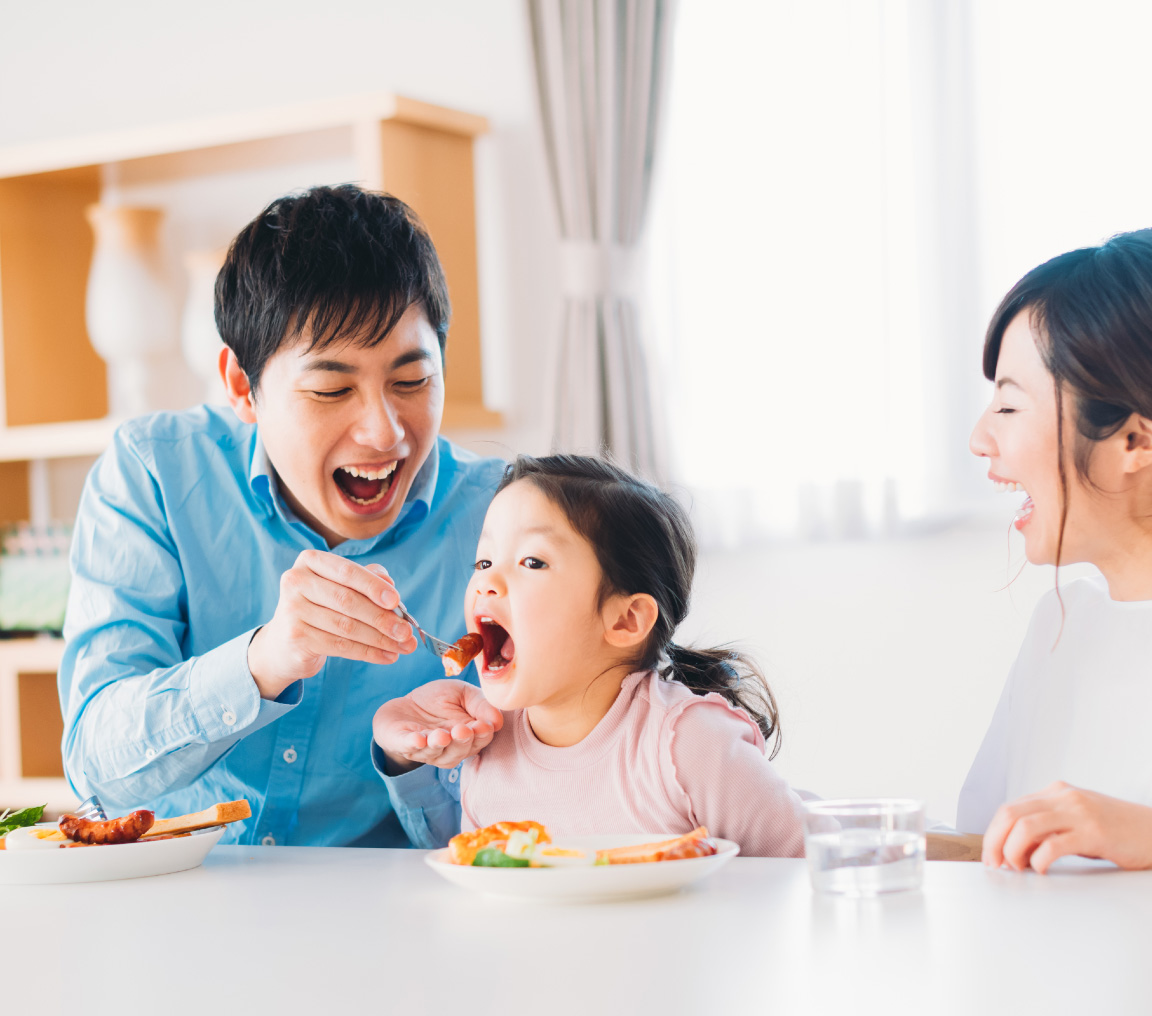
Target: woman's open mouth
{"x":499,"y":649}
{"x":367,"y":491}
{"x":1023,"y":513}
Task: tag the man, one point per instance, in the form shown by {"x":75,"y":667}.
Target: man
{"x":230,"y":628}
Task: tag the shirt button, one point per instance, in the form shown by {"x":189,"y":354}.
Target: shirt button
{"x":228,"y":717}
{"x":268,"y":841}
{"x":150,"y":753}
{"x":290,"y":756}
{"x":454,"y":776}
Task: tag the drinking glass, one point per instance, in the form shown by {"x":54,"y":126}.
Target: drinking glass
{"x":864,"y":847}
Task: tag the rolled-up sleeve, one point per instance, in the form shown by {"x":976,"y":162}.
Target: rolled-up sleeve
{"x":426,"y":801}
{"x":140,"y":719}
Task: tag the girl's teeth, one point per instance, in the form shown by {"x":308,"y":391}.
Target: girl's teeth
{"x":1008,"y":487}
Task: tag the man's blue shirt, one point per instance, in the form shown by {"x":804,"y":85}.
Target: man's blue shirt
{"x":179,"y":546}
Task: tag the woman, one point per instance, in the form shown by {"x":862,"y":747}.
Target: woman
{"x":1070,"y":350}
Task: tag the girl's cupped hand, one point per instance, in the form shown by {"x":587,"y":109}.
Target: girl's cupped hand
{"x":440,"y":723}
{"x":1062,"y":819}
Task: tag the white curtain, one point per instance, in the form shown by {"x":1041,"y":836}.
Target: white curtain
{"x":816,"y":266}
{"x":601,"y":68}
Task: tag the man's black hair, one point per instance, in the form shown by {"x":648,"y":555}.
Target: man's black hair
{"x":340,"y":262}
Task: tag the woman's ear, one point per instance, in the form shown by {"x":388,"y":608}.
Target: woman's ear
{"x":628,"y":619}
{"x":1137,"y":454}
{"x":237,"y":387}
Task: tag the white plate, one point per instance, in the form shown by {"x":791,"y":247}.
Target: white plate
{"x":100,"y":864}
{"x":591,"y":884}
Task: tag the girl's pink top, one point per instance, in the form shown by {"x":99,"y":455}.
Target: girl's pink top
{"x":663,"y":760}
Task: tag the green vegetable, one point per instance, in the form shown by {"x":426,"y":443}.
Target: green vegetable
{"x":10,"y":820}
{"x":494,"y":857}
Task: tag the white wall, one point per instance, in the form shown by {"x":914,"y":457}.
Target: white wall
{"x":887,"y":657}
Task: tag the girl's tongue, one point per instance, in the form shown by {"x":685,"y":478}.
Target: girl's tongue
{"x":508,"y":650}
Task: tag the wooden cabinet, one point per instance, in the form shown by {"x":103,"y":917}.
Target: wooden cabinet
{"x":53,"y":400}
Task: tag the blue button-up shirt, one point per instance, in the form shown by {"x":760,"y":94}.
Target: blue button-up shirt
{"x":179,"y":545}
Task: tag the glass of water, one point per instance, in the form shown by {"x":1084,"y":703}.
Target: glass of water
{"x":864,"y":847}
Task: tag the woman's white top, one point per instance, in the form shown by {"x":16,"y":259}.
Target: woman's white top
{"x":1077,"y":706}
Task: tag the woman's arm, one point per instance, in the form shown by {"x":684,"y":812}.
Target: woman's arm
{"x":1060,"y":820}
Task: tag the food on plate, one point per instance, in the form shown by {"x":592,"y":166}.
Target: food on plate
{"x":126,"y":829}
{"x":218,"y":814}
{"x":10,"y":819}
{"x":463,"y":848}
{"x":140,"y":826}
{"x":528,"y":845}
{"x":462,"y":653}
{"x":695,"y":844}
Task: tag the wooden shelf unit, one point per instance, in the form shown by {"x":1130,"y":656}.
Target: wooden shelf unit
{"x":53,"y":399}
{"x":30,"y":725}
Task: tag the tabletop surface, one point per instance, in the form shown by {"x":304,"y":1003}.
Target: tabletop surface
{"x":300,"y":930}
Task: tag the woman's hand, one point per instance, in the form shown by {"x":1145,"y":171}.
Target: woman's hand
{"x":1062,"y":819}
{"x":440,"y":723}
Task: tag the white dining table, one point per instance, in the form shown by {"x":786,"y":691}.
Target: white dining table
{"x":279,"y":930}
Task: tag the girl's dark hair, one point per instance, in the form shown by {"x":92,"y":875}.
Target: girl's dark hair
{"x":643,"y":541}
{"x":1091,"y":310}
{"x":342,"y":261}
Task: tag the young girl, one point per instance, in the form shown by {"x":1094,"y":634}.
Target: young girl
{"x":1070,"y":350}
{"x":583,"y":574}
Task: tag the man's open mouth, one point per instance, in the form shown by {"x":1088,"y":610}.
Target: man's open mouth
{"x":499,"y":649}
{"x":366,"y":487}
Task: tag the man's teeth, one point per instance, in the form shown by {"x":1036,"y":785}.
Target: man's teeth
{"x":1009,"y":487}
{"x":371,"y":474}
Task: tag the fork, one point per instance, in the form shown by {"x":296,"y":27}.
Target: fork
{"x":91,"y":808}
{"x":438,"y":646}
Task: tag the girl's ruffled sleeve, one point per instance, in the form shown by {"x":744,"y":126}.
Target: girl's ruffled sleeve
{"x":716,"y":765}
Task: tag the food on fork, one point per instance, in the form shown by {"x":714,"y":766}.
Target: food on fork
{"x":462,"y":653}
{"x":126,"y":829}
{"x":695,"y":844}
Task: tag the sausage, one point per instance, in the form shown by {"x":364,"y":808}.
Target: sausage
{"x":127,"y":829}
{"x":461,"y":654}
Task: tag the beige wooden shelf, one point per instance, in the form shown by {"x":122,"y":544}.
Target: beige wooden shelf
{"x":52,"y":384}
{"x":30,"y":769}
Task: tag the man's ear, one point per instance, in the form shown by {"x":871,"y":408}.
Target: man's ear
{"x":237,"y":387}
{"x":628,"y":620}
{"x":1137,"y":433}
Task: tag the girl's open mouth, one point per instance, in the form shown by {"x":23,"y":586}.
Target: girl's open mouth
{"x":499,"y":649}
{"x":367,"y":491}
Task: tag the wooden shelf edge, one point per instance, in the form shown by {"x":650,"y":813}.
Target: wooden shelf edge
{"x":27,"y":793}
{"x":229,"y":128}
{"x":464,"y":416}
{"x":56,"y":440}
{"x":38,"y":653}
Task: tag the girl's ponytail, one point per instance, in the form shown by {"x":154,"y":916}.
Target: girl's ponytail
{"x":731,"y":675}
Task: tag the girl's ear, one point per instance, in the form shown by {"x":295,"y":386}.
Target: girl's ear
{"x":1137,"y":433}
{"x":628,"y":620}
{"x":237,"y":387}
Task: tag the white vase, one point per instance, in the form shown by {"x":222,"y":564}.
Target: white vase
{"x":129,"y":309}
{"x":199,"y":339}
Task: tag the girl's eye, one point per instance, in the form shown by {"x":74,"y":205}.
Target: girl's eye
{"x":481,"y":565}
{"x":412,"y":386}
{"x":334,"y":394}
{"x":1005,"y":409}
{"x":533,"y":562}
